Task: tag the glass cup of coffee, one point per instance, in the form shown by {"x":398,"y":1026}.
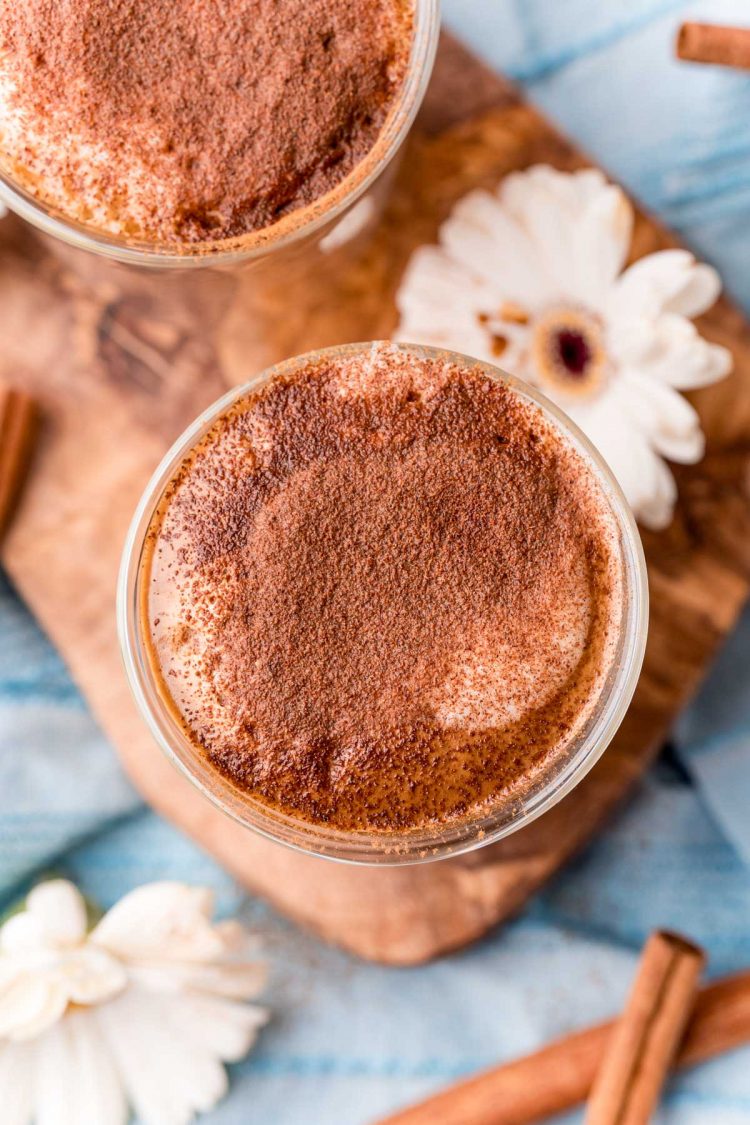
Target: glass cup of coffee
{"x":248,"y":135}
{"x":383,"y":603}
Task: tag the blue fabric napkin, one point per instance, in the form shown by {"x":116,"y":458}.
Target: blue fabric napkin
{"x":349,"y":1041}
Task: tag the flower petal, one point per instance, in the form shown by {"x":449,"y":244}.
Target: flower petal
{"x":432,"y":280}
{"x":667,"y":281}
{"x":224,"y":1027}
{"x":580,"y":225}
{"x":101,"y":1094}
{"x":221,"y":1028}
{"x":169,"y":921}
{"x":238,"y":941}
{"x":656,"y":505}
{"x":700,"y":291}
{"x":75,"y":1080}
{"x":167,"y":1077}
{"x":644,"y":478}
{"x":91,"y":975}
{"x":31,"y":1004}
{"x":684,"y":359}
{"x":441,"y":303}
{"x":36,"y":988}
{"x":237,"y":980}
{"x":437,"y":297}
{"x":16,"y":1075}
{"x":669,"y":422}
{"x":482,"y":237}
{"x":59,"y":907}
{"x":22,"y":934}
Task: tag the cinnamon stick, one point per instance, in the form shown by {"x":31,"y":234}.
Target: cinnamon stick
{"x":17,"y":425}
{"x":646,"y":1037}
{"x":560,"y":1076}
{"x":713,"y":43}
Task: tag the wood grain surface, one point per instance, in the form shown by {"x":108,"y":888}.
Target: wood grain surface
{"x":121,"y":365}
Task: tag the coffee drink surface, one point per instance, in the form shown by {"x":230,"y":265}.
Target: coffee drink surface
{"x":383,"y":593}
{"x":181,"y":121}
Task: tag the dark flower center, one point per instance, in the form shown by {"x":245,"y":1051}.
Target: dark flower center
{"x":573,"y":351}
{"x":567,"y":350}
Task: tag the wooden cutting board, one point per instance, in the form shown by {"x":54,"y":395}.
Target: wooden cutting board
{"x":121,"y":369}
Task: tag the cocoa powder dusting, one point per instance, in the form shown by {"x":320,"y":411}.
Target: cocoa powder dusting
{"x":383,"y":593}
{"x":185,"y":120}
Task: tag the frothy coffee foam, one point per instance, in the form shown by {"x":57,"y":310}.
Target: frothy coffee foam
{"x":384,"y":592}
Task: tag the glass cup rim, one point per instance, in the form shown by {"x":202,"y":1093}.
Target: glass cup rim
{"x":393,"y":848}
{"x":299,"y":225}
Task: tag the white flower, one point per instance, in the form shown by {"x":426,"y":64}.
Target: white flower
{"x":142,"y":1011}
{"x":530,"y":277}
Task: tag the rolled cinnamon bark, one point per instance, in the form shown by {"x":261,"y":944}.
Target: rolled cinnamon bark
{"x":560,"y":1076}
{"x":17,"y":425}
{"x":644,"y":1042}
{"x":712,"y":43}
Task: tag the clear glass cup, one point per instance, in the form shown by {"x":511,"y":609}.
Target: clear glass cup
{"x":564,"y":771}
{"x":323,"y":225}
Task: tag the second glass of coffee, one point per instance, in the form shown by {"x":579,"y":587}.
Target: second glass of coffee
{"x":165,"y":133}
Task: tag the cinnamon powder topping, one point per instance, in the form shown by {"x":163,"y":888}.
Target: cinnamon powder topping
{"x":384,"y":592}
{"x":181,"y":120}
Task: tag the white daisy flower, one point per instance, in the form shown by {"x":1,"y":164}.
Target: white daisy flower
{"x":531,"y":277}
{"x":141,"y":1012}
